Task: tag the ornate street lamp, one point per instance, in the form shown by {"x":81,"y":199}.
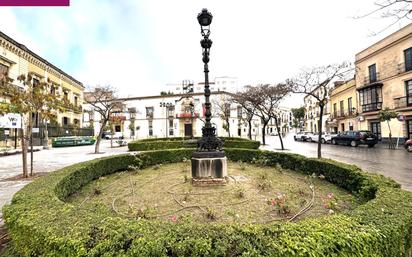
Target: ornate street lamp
{"x":209,"y":142}
{"x":209,"y":164}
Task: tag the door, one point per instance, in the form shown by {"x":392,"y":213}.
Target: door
{"x":188,"y":130}
{"x":409,"y":122}
{"x":376,"y":129}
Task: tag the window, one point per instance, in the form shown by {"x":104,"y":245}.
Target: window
{"x":117,"y":128}
{"x":66,"y":95}
{"x":239,"y":112}
{"x":36,"y":82}
{"x":335,"y":111}
{"x":350,"y":110}
{"x":409,"y":92}
{"x":149,"y":112}
{"x":408,"y":59}
{"x":376,"y":129}
{"x":150,"y":127}
{"x":342,"y":110}
{"x":372,"y":73}
{"x":75,"y":100}
{"x":409,"y":129}
{"x":3,"y":70}
{"x":171,"y":127}
{"x":371,"y":99}
{"x":53,"y":90}
{"x":65,"y":121}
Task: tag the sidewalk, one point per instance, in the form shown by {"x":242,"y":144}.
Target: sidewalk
{"x":7,"y":152}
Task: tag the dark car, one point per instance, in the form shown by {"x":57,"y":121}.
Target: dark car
{"x":355,"y":138}
{"x":408,"y":145}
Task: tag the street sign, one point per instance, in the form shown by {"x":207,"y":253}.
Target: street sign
{"x":6,"y":132}
{"x":35,"y":130}
{"x":10,"y":120}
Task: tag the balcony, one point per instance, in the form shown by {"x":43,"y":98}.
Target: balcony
{"x":370,"y":80}
{"x":187,"y":115}
{"x":402,"y":68}
{"x":377,"y":106}
{"x":402,"y":102}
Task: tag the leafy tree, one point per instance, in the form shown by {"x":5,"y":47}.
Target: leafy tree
{"x":317,"y":82}
{"x":33,"y":97}
{"x":386,"y":115}
{"x":104,"y":101}
{"x":298,"y":116}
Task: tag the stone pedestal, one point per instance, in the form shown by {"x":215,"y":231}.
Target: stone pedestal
{"x":209,"y":168}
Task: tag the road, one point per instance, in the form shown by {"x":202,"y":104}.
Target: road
{"x":396,"y":164}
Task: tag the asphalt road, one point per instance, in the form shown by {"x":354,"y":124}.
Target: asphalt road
{"x":396,"y":164}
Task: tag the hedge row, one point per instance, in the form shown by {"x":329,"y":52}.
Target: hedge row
{"x":173,"y":143}
{"x":42,"y":224}
{"x":188,"y":138}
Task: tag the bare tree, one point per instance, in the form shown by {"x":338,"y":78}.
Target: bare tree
{"x":395,"y":10}
{"x":221,"y":108}
{"x":317,"y":82}
{"x":245,"y":101}
{"x":266,"y":99}
{"x":104,"y":102}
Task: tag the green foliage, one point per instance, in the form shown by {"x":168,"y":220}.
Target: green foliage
{"x":41,"y":223}
{"x":386,"y":114}
{"x":176,"y":143}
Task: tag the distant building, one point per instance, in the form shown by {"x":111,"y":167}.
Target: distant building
{"x":343,"y":106}
{"x":176,"y":115}
{"x":312,"y":112}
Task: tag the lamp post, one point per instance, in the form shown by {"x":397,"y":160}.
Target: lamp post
{"x":167,"y":107}
{"x":209,"y":164}
{"x":209,"y":142}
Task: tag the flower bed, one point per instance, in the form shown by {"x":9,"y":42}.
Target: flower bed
{"x":41,"y":223}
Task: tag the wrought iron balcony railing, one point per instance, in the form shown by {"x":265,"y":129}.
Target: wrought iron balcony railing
{"x":402,"y":102}
{"x":372,"y":107}
{"x":187,"y":115}
{"x":372,"y":79}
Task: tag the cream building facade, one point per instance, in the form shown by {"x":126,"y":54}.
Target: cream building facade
{"x":384,"y":79}
{"x":312,"y":112}
{"x":343,"y":106}
{"x":15,"y":60}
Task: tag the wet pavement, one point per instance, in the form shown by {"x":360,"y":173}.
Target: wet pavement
{"x":396,"y":164}
{"x":46,"y":161}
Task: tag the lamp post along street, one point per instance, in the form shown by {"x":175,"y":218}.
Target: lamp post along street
{"x":209,"y":164}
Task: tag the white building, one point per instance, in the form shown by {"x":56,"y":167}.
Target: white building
{"x":178,"y":115}
{"x":227,"y":84}
{"x":312,"y":111}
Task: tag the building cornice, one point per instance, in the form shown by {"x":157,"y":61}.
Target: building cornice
{"x":33,"y":58}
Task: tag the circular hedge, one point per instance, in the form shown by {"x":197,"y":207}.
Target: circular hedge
{"x":181,"y":142}
{"x":41,"y":223}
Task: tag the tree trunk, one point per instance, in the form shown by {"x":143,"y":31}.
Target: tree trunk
{"x":228,"y":127}
{"x":99,"y":138}
{"x":24,"y":149}
{"x":250,"y":129}
{"x":46,"y":138}
{"x":279,"y":134}
{"x":320,"y":131}
{"x":390,"y":136}
{"x":264,"y":133}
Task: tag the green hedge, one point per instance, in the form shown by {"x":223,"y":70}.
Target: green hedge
{"x":176,"y":143}
{"x":42,"y":224}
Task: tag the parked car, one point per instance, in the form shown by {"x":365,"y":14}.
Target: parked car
{"x":355,"y":138}
{"x":302,"y":135}
{"x":116,"y":135}
{"x":326,"y":137}
{"x":408,"y":145}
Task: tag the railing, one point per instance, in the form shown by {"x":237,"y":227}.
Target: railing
{"x":343,"y":114}
{"x":372,"y":107}
{"x":369,"y":80}
{"x":187,"y":115}
{"x":402,"y":102}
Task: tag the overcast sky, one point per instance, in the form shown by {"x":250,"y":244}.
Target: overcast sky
{"x":140,"y":46}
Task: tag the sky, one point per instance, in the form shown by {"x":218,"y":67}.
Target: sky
{"x":141,"y":46}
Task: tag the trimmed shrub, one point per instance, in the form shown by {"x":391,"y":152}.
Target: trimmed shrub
{"x":42,"y":224}
{"x":176,"y":143}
